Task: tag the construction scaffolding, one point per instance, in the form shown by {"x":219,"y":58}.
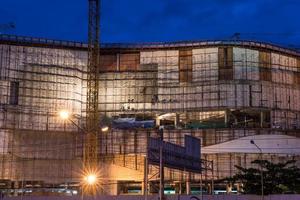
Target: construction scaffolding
{"x":218,"y":91}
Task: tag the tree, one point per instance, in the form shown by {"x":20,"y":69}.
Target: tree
{"x":278,"y":177}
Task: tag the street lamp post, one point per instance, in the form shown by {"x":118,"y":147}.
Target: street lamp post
{"x":91,"y":178}
{"x":161,"y":165}
{"x":65,"y":115}
{"x":261,"y":169}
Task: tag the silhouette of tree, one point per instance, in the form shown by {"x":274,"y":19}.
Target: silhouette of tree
{"x":278,"y":177}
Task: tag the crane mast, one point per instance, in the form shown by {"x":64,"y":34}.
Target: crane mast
{"x":90,"y":156}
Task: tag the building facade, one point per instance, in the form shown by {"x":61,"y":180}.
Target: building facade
{"x":224,"y":92}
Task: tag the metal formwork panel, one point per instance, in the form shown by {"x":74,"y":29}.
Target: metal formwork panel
{"x":205,"y":64}
{"x":239,"y":57}
{"x":252,"y":62}
{"x":48,"y":80}
{"x":256,"y":95}
{"x":146,"y":57}
{"x":243,"y":95}
{"x":246,"y":64}
{"x":283,"y":68}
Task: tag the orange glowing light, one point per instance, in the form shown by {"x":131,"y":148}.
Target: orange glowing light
{"x":91,"y":181}
{"x":105,"y":129}
{"x":63,"y":114}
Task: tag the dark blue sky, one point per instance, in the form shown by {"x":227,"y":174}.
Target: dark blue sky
{"x":157,"y":20}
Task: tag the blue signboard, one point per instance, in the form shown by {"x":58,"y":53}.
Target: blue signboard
{"x":175,"y":156}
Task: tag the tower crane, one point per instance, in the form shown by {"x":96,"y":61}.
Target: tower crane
{"x":90,"y":154}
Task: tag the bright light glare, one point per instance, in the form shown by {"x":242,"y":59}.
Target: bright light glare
{"x":91,"y":179}
{"x":63,"y":114}
{"x":104,"y":129}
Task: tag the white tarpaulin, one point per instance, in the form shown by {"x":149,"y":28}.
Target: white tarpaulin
{"x":274,"y":144}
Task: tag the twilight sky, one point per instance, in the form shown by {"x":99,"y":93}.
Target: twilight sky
{"x":157,"y":20}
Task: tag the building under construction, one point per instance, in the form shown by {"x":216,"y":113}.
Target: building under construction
{"x":226,"y":93}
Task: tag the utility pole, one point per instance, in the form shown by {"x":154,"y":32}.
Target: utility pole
{"x":161,"y":165}
{"x":261,"y":169}
{"x":146,"y":168}
{"x":212,"y":179}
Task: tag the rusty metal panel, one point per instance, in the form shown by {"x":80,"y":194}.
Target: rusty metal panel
{"x":225,"y":60}
{"x":265,"y":74}
{"x":297,"y":73}
{"x":108,"y":63}
{"x":265,"y":59}
{"x":265,"y":66}
{"x":221,"y":58}
{"x":129,"y":62}
{"x":225,"y":57}
{"x":296,"y":76}
{"x":185,"y":66}
{"x":229,"y":57}
{"x":225,"y":74}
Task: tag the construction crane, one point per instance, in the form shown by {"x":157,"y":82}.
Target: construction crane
{"x":90,"y":154}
